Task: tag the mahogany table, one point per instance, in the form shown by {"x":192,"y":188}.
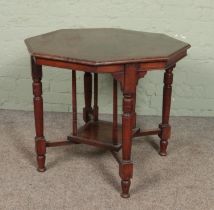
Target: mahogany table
{"x":127,"y":56}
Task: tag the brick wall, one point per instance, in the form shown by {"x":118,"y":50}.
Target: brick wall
{"x":191,"y":21}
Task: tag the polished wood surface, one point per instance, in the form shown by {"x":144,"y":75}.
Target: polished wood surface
{"x":104,"y":46}
{"x":99,"y":131}
{"x":127,"y":56}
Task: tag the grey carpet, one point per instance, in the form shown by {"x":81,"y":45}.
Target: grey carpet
{"x":84,"y":177}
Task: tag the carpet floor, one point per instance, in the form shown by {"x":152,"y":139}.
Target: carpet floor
{"x":80,"y":177}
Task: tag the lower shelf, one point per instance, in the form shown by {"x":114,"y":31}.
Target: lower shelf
{"x":100,"y":134}
{"x":100,"y":131}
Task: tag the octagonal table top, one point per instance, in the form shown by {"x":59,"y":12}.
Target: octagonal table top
{"x":101,"y":46}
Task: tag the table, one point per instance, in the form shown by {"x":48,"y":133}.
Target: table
{"x":126,"y":55}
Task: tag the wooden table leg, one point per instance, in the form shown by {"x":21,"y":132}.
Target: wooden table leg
{"x":126,"y":167}
{"x":74,"y":103}
{"x":40,"y":142}
{"x":134,"y":113}
{"x":115,"y":119}
{"x":87,"y":110}
{"x":164,"y":126}
{"x":95,"y":108}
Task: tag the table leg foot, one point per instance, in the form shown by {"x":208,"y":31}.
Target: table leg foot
{"x":126,"y":173}
{"x":41,"y":169}
{"x":40,"y":144}
{"x":125,"y":184}
{"x":163,"y":154}
{"x":41,"y":163}
{"x":164,"y":136}
{"x":163,"y":147}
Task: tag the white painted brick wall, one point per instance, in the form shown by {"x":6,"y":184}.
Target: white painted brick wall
{"x":190,"y":20}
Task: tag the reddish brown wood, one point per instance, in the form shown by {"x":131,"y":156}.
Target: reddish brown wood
{"x":58,"y":143}
{"x":119,"y":76}
{"x":74,"y":103}
{"x":100,"y":131}
{"x":38,"y":115}
{"x":81,"y":67}
{"x":134,"y":113}
{"x":94,"y":142}
{"x":87,"y":111}
{"x":164,"y":126}
{"x":94,"y":51}
{"x":95,"y":108}
{"x":147,"y":132}
{"x":115,"y":120}
{"x":126,"y":167}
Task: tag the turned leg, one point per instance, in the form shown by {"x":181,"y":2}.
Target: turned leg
{"x":95,"y":108}
{"x":126,"y":166}
{"x":87,"y":110}
{"x":164,"y":126}
{"x":38,"y":115}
